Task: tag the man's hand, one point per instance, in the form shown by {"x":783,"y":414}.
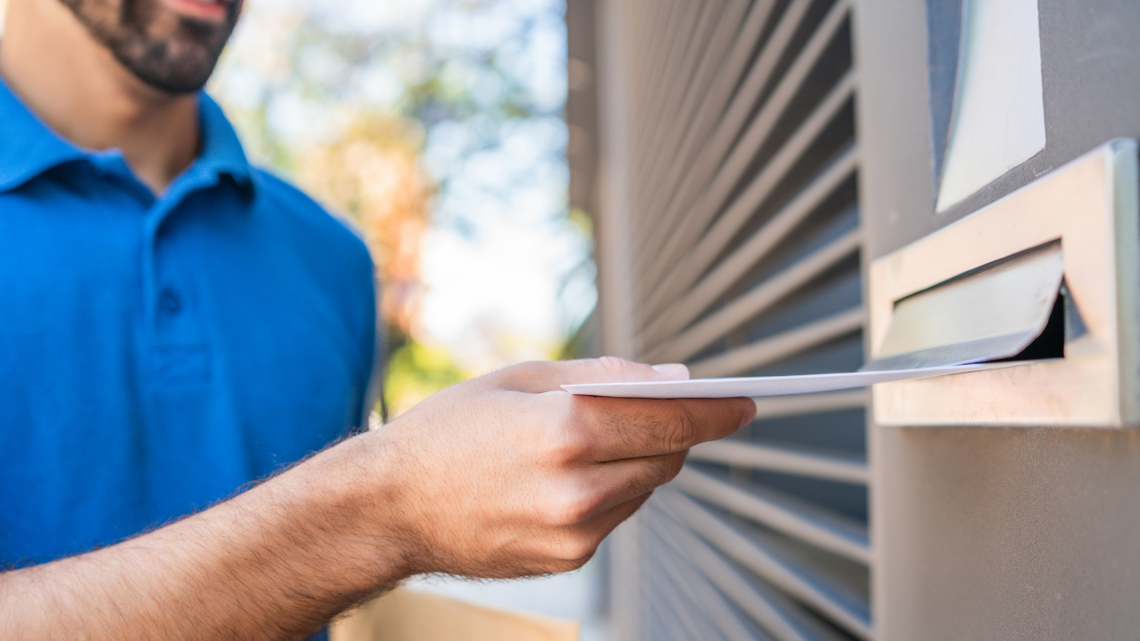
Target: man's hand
{"x":507,"y":475}
{"x":500,"y":476}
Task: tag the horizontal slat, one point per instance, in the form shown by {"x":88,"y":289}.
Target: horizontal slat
{"x":666,"y":91}
{"x":728,"y":129}
{"x":670,"y":603}
{"x":657,"y":72}
{"x":790,"y":620}
{"x":782,"y":513}
{"x":661,"y":618}
{"x":652,"y":70}
{"x":758,"y":300}
{"x":642,"y":50}
{"x":833,"y":467}
{"x":712,"y":106}
{"x":779,"y":346}
{"x":753,"y":250}
{"x":679,"y":568}
{"x":809,"y":589}
{"x":688,"y":268}
{"x":761,"y":607}
{"x":776,"y":406}
{"x":762,"y":126}
{"x":674,"y":90}
{"x":689,"y":116}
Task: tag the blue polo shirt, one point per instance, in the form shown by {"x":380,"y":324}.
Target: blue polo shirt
{"x":156,"y":354}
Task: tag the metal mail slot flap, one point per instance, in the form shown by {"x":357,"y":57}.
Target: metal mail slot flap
{"x":981,"y":287}
{"x":992,"y":313}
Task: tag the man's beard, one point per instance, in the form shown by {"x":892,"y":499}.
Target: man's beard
{"x":171,"y":53}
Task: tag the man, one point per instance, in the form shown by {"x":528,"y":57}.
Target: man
{"x":175,"y":324}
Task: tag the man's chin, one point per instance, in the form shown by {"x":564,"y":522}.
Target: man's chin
{"x":172,"y":68}
{"x":169,"y":45}
{"x":172,"y":85}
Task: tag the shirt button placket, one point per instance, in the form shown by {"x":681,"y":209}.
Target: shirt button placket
{"x":169,"y":302}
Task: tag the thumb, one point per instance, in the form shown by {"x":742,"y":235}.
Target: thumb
{"x":545,"y":377}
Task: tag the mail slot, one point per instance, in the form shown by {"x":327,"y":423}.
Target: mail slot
{"x":1049,"y":274}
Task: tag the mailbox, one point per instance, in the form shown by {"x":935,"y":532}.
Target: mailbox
{"x":1050,"y":273}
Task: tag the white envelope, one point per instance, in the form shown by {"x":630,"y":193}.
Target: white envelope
{"x":770,"y":385}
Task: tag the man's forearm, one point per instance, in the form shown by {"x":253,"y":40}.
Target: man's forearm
{"x":274,"y":563}
{"x":497,"y":477}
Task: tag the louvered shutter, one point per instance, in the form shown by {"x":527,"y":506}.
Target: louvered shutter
{"x":728,"y":229}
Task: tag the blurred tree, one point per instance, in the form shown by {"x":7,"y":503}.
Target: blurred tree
{"x":407,"y":116}
{"x":373,"y":174}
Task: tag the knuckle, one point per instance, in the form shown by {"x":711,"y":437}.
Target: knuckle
{"x":520,"y":373}
{"x":571,"y":508}
{"x":614,"y":365}
{"x":562,"y":566}
{"x":674,"y":466}
{"x":568,"y":445}
{"x":573,"y":551}
{"x":592,"y":416}
{"x":682,"y":431}
{"x":577,"y":563}
{"x":665,"y":469}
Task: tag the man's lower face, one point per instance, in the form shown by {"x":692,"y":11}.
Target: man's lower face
{"x":171,"y":45}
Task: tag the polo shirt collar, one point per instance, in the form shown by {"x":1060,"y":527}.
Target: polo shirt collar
{"x":28,"y":147}
{"x":222,"y":153}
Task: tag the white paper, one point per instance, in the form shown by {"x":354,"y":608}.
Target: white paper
{"x":770,"y":385}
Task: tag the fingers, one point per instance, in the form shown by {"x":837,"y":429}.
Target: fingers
{"x":605,"y":523}
{"x":622,"y":481}
{"x":579,"y":497}
{"x":536,"y":378}
{"x":625,"y":428}
{"x":607,"y":495}
{"x":578,"y":543}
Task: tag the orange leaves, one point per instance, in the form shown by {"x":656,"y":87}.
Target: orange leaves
{"x":373,"y":174}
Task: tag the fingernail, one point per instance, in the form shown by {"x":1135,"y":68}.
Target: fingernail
{"x":749,"y":415}
{"x":672,"y":370}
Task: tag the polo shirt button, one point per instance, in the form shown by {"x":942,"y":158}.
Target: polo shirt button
{"x":169,"y":301}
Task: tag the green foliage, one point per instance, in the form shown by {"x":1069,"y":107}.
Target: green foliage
{"x":416,"y":371}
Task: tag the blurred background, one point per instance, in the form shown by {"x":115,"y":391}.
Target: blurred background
{"x":436,"y":127}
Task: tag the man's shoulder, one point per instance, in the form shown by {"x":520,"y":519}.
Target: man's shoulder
{"x":311,"y":219}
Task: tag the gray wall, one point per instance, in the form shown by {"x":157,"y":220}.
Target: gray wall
{"x":983,"y":533}
{"x":1006,"y":533}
